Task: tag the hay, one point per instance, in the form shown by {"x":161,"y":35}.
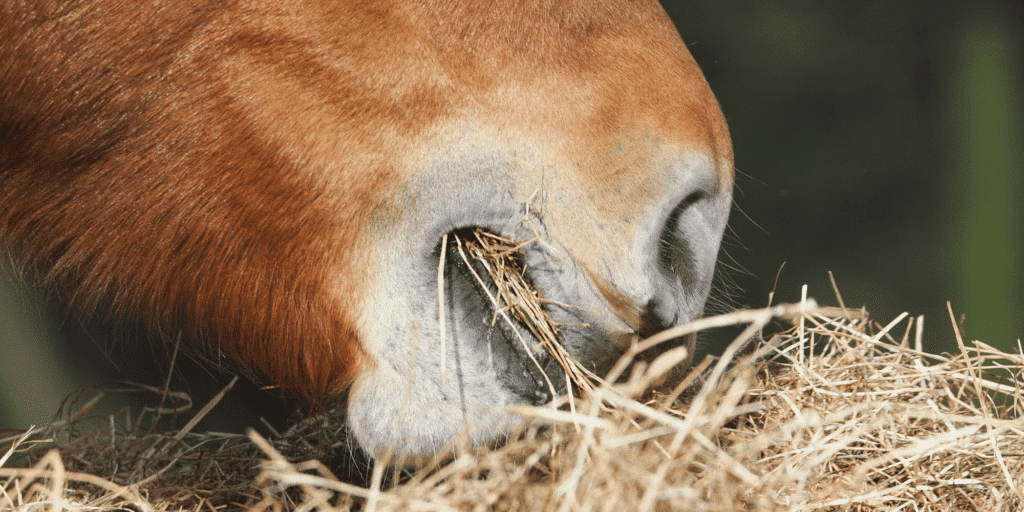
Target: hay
{"x":833,"y":413}
{"x":499,"y":256}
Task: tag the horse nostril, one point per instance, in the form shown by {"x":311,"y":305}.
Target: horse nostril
{"x":674,"y":251}
{"x":691,"y":199}
{"x":651,"y":322}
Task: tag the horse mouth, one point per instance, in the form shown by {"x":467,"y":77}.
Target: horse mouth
{"x":483,"y":318}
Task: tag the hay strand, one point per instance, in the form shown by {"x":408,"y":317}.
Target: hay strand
{"x":835,"y":413}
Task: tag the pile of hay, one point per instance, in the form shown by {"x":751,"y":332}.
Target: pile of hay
{"x":834,"y":413}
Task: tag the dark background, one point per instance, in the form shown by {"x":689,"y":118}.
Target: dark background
{"x":879,"y":140}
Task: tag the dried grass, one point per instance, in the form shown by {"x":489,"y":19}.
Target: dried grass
{"x":834,"y":413}
{"x":515,"y":295}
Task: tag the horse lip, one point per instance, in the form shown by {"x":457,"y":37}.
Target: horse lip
{"x":525,"y":370}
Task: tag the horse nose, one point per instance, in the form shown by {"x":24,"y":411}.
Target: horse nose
{"x":651,"y":321}
{"x":678,"y":250}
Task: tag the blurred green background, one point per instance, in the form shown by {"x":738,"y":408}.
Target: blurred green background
{"x":879,"y":140}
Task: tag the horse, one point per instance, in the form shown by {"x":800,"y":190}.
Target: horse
{"x":279,"y":181}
